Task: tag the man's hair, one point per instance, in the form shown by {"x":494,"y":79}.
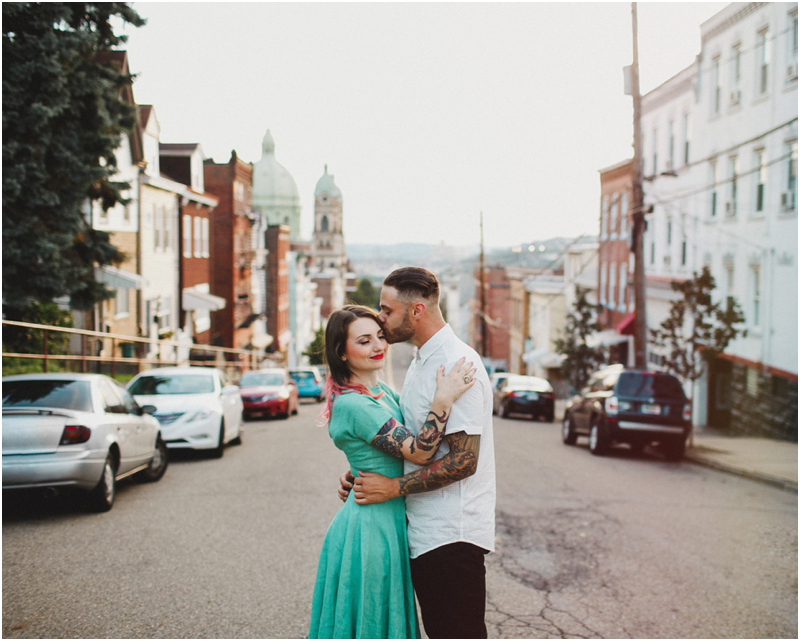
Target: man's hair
{"x":414,"y":283}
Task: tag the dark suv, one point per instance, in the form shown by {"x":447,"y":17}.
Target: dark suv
{"x":630,"y":406}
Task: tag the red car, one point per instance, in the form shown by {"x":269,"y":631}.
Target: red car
{"x":268,"y":392}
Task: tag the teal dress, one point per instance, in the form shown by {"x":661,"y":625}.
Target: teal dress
{"x":363,"y":588}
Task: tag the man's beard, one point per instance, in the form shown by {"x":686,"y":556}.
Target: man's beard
{"x":401,"y":333}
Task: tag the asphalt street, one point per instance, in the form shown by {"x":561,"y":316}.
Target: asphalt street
{"x":587,"y":547}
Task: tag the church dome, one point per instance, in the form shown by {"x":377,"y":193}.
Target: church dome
{"x":325,"y":185}
{"x":273,"y":185}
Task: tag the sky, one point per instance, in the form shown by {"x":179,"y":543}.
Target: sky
{"x":427,"y":114}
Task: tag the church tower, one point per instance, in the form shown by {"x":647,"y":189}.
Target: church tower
{"x":275,"y":195}
{"x":327,"y":243}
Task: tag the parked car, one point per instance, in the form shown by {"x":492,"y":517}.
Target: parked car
{"x":77,"y":430}
{"x":309,"y":381}
{"x":198,"y":407}
{"x":268,"y":392}
{"x":532,"y":395}
{"x":630,"y":406}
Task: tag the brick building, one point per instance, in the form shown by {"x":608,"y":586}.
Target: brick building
{"x":232,"y":251}
{"x":496,"y":315}
{"x":278,"y":244}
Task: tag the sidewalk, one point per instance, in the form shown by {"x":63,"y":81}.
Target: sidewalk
{"x":760,"y":459}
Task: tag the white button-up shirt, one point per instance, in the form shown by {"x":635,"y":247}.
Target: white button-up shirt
{"x":464,"y":510}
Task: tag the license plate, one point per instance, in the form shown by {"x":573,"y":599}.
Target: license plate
{"x":533,"y":396}
{"x":651,"y":409}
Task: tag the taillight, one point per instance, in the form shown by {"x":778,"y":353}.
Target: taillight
{"x":74,"y":434}
{"x":687,"y":412}
{"x":612,"y":406}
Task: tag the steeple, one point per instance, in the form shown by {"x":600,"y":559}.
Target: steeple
{"x":268,"y":144}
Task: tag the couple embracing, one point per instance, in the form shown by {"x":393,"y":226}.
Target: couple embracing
{"x":423,"y":477}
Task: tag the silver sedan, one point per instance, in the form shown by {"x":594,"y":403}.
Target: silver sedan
{"x":79,"y":430}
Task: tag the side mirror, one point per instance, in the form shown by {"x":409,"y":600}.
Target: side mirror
{"x":148,"y":409}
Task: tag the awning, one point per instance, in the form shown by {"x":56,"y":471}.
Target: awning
{"x":116,"y":278}
{"x":625,"y":326}
{"x":606,"y":338}
{"x":193,"y":300}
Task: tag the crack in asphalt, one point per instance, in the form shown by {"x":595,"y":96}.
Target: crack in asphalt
{"x":556,"y":553}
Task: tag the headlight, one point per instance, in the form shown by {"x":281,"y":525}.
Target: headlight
{"x":284,"y":394}
{"x":200,"y":414}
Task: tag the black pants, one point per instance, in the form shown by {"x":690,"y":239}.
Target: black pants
{"x":450,"y":583}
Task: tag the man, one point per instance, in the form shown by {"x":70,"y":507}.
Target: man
{"x":449,"y":503}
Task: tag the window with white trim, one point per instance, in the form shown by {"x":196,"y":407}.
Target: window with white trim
{"x":755,"y":293}
{"x":168,"y":220}
{"x":603,"y":214}
{"x":760,"y":167}
{"x":733,"y":189}
{"x":716,"y":88}
{"x":122,"y":302}
{"x":198,"y":238}
{"x":655,"y":151}
{"x":205,"y":229}
{"x":623,"y":215}
{"x":612,"y":286}
{"x":158,"y":235}
{"x":671,"y":143}
{"x":686,"y":138}
{"x":187,"y":236}
{"x":789,"y":197}
{"x":762,"y":62}
{"x":714,"y":179}
{"x":623,"y":287}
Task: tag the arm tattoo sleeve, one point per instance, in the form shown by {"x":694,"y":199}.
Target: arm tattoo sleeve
{"x":459,"y":463}
{"x":391,"y":437}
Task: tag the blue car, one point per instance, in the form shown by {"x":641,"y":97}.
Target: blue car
{"x":309,"y":383}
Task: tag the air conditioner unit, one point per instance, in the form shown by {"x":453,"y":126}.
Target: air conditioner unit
{"x":735,"y":97}
{"x":791,"y":72}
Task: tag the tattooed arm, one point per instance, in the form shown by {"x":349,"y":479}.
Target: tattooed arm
{"x":396,"y":440}
{"x":459,"y":463}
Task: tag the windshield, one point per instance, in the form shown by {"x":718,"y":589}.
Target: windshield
{"x":69,"y":395}
{"x":173,"y":384}
{"x":261,"y":378}
{"x":305,"y":377}
{"x":649,"y":384}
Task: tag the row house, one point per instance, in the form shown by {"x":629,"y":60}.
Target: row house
{"x":720,"y":172}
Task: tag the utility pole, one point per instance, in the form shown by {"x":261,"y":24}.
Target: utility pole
{"x":637,"y":208}
{"x":483,"y":295}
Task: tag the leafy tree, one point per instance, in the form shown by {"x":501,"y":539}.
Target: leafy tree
{"x":711,"y":327}
{"x":63,"y":119}
{"x":580,"y":360}
{"x":316,"y":349}
{"x":366,"y":294}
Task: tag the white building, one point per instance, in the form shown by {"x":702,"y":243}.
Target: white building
{"x":726,"y":127}
{"x":275,"y":195}
{"x":546,"y":319}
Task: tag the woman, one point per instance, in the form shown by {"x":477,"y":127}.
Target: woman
{"x":363,"y":587}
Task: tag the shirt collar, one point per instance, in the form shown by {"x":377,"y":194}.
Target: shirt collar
{"x":434,"y":343}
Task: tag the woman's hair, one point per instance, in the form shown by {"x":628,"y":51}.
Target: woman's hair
{"x":336,"y":334}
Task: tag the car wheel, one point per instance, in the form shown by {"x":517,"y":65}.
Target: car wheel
{"x":219,"y":450}
{"x":101,"y":498}
{"x":158,"y":464}
{"x":568,"y":435}
{"x":598,"y":443}
{"x":504,"y":410}
{"x":674,"y":450}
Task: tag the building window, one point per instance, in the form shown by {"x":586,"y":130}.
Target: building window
{"x":603,"y":280}
{"x":187,"y":236}
{"x":686,"y":139}
{"x":755,"y":276}
{"x":751,"y":382}
{"x":612,"y":283}
{"x":762,"y":61}
{"x":167,"y":228}
{"x":613,"y":217}
{"x":761,"y":179}
{"x":669,"y":231}
{"x":205,"y":235}
{"x":623,"y":287}
{"x":198,"y":237}
{"x":652,"y":252}
{"x":324,"y":226}
{"x":158,"y":236}
{"x":736,"y":66}
{"x":623,"y":215}
{"x":714,"y":181}
{"x":789,"y":198}
{"x":683,"y":252}
{"x":716,"y":96}
{"x":655,"y":151}
{"x":671,"y":136}
{"x":604,"y":206}
{"x":122,"y":303}
{"x":733,"y":175}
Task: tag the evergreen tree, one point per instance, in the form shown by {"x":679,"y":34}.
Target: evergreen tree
{"x":580,"y":360}
{"x":366,"y":294}
{"x":711,"y":327}
{"x":316,"y":349}
{"x":63,"y":119}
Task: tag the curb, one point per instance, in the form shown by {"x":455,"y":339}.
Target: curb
{"x":782,"y":484}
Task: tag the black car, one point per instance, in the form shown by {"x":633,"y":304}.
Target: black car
{"x":525,"y":395}
{"x":630,"y":406}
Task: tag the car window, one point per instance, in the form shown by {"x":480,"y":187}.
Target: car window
{"x":261,"y":378}
{"x":649,"y":384}
{"x":128,"y":402}
{"x":69,"y":395}
{"x":111,"y":401}
{"x":305,"y":377}
{"x":154,"y":384}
